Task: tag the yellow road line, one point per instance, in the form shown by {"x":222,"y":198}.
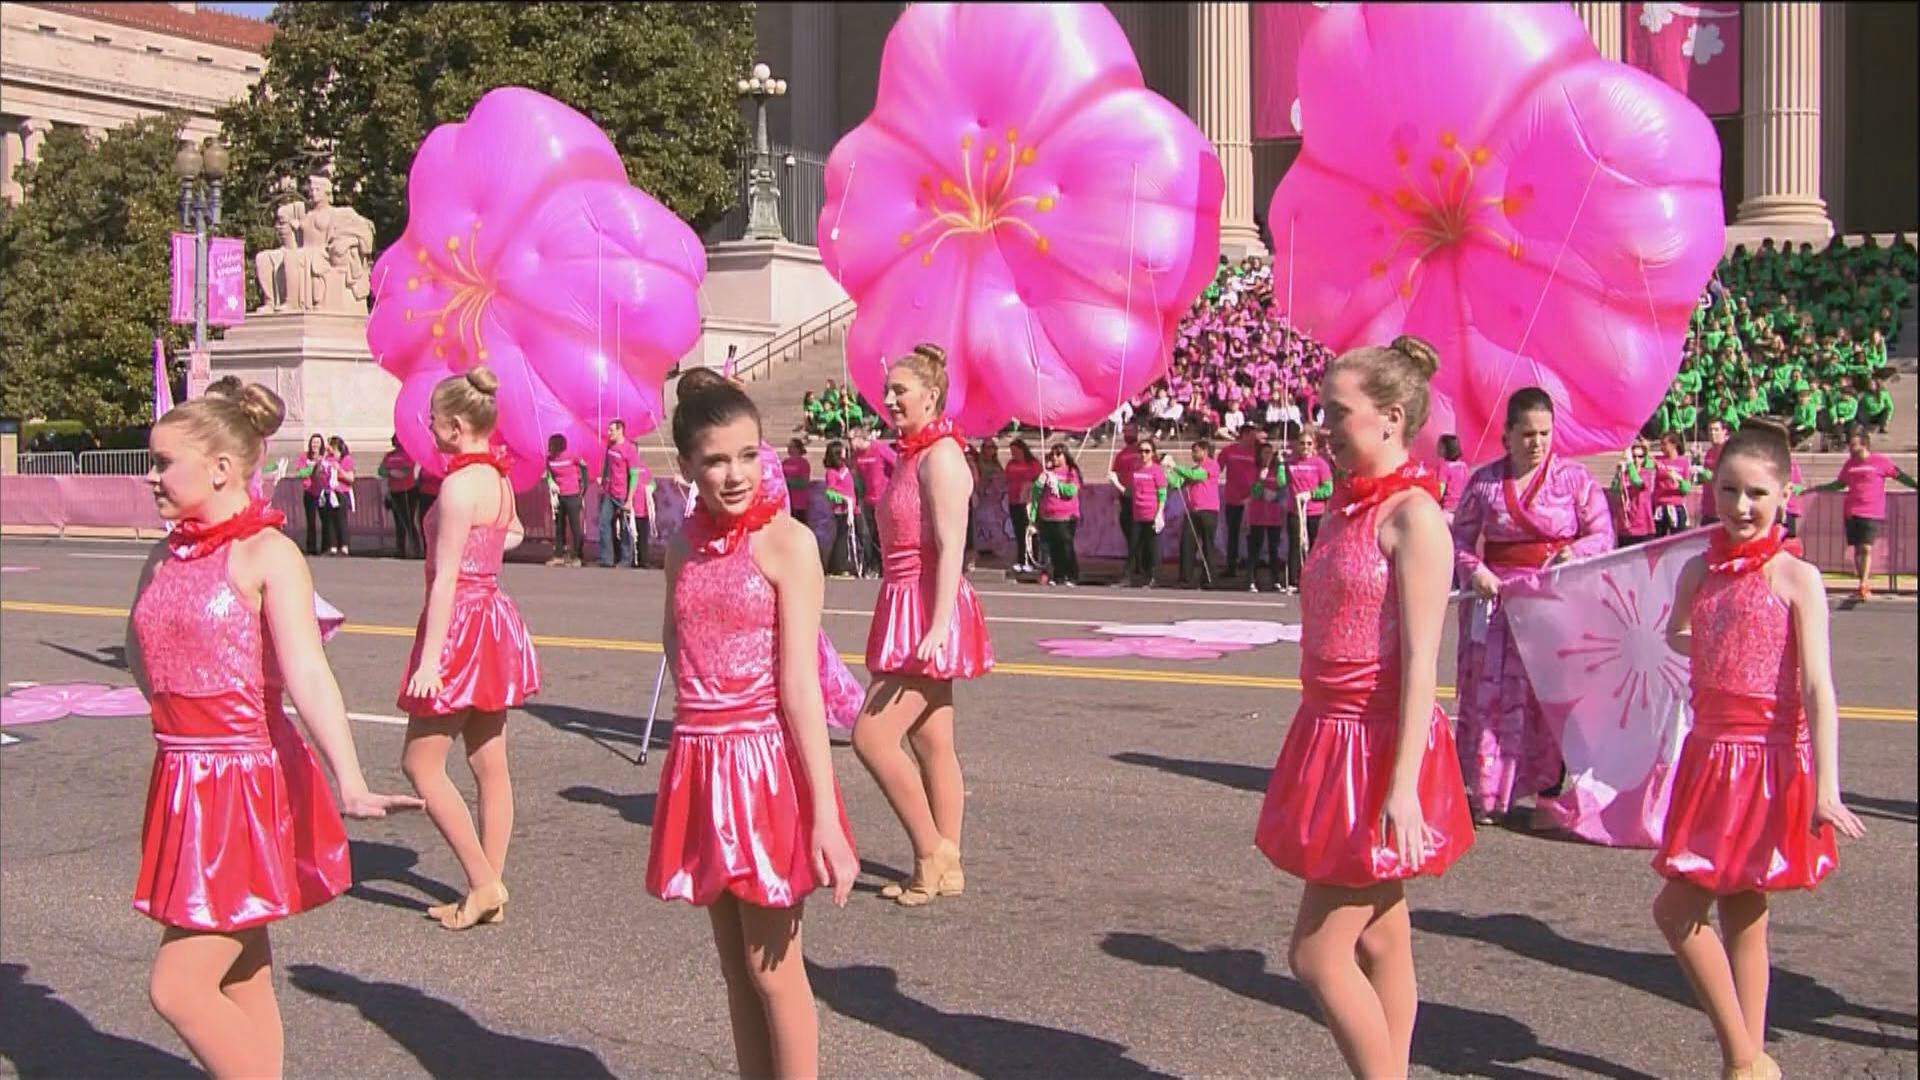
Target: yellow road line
{"x":1211,"y":679}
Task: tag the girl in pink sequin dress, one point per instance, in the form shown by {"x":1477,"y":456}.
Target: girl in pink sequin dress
{"x":747,"y":820}
{"x":239,"y":831}
{"x":1756,"y":794}
{"x":472,"y":658}
{"x":927,"y":630}
{"x":1367,"y":791}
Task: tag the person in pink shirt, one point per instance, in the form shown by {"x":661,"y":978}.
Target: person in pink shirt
{"x":567,"y":476}
{"x":1056,"y":506}
{"x":616,"y":495}
{"x":1120,"y":473}
{"x":1236,"y":470}
{"x":873,"y":464}
{"x":401,"y":475}
{"x":1672,"y":479}
{"x":1199,"y":486}
{"x":798,"y":473}
{"x":1716,"y":438}
{"x":1267,"y":519}
{"x":1633,"y":485}
{"x":1144,"y":494}
{"x":1453,"y":474}
{"x":1864,"y":478}
{"x":1021,"y":471}
{"x":1309,"y":485}
{"x":843,"y":503}
{"x":642,"y":484}
{"x":313,"y":481}
{"x":336,"y":496}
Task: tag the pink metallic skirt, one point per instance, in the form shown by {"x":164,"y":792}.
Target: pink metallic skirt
{"x":488,"y":662}
{"x":900,"y":616}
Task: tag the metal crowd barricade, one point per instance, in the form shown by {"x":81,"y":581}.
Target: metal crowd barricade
{"x":114,"y":462}
{"x":46,"y":463}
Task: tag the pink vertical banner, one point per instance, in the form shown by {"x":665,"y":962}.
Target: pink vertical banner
{"x":1694,"y":48}
{"x":162,"y":383}
{"x":199,"y":372}
{"x":1277,"y":32}
{"x":226,"y":281}
{"x":180,"y":310}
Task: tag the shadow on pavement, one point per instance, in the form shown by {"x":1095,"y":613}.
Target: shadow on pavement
{"x":887,"y":875}
{"x":1447,"y":1039}
{"x":377,"y":861}
{"x":443,"y":1037}
{"x":976,"y":1044}
{"x":113,"y":656}
{"x":44,"y":1036}
{"x":1231,"y":774}
{"x":1797,"y":1003}
{"x":633,"y":809}
{"x":1904,"y":811}
{"x":616,"y":733}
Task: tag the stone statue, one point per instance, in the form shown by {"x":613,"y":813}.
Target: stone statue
{"x":323,"y":259}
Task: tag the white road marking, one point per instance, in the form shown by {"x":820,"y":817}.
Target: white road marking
{"x":365,"y":718}
{"x":105,"y":555}
{"x":1177,"y":597}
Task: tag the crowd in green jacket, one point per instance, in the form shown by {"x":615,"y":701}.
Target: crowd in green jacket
{"x":837,"y":410}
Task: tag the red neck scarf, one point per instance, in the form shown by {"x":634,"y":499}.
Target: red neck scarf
{"x":941,"y":428}
{"x":194,"y":539}
{"x":461,"y":461}
{"x":1726,"y":557}
{"x":1362,"y":493}
{"x":713,"y":534}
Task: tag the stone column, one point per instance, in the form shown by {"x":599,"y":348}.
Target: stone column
{"x":1833,"y":112}
{"x":33,"y":133}
{"x":12,"y":153}
{"x":1604,"y":23}
{"x":1781,"y":112}
{"x":1220,"y":77}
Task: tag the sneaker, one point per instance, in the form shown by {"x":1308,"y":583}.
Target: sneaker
{"x":557,"y":560}
{"x":1073,"y":584}
{"x":1253,"y":586}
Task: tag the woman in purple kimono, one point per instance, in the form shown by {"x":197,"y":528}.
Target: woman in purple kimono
{"x":1520,"y":514}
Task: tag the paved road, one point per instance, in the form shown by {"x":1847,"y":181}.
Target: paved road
{"x":1118,"y":921}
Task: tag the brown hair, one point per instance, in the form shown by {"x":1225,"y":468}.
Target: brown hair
{"x":706,"y":399}
{"x":928,"y":362}
{"x":237,"y":423}
{"x":469,"y":397}
{"x":1395,"y":374}
{"x":1762,"y":438}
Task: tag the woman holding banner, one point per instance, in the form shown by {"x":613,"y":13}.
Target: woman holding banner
{"x":1525,"y":512}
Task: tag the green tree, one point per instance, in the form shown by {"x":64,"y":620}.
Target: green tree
{"x":368,"y":81}
{"x":84,"y":276}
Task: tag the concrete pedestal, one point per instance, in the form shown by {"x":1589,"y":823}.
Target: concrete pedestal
{"x":319,"y":365}
{"x":755,"y":289}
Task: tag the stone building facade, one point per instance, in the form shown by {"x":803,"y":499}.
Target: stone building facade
{"x":99,"y":65}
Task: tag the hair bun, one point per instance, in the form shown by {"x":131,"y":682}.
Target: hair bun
{"x":1769,"y":426}
{"x":1421,"y":355}
{"x":699,"y":381}
{"x":483,"y":379}
{"x":263,"y":408}
{"x":931,"y":353}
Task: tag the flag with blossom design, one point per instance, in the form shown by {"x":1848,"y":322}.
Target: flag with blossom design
{"x":1694,"y":48}
{"x":1277,"y":32}
{"x":1593,"y":636}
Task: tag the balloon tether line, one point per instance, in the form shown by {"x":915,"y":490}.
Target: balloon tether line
{"x":1126,"y":326}
{"x":1552,"y":273}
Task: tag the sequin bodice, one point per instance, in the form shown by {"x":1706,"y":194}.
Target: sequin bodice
{"x":486,"y":545}
{"x":1743,"y":644}
{"x":198,"y":636}
{"x":1350,"y":611}
{"x":725,"y":619}
{"x":900,"y":511}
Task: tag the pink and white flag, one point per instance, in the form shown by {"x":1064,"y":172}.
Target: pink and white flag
{"x":1694,"y":48}
{"x":162,"y":383}
{"x":1278,"y":30}
{"x":1593,"y":636}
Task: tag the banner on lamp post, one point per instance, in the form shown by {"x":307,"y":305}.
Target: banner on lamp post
{"x":226,"y":281}
{"x":199,"y":372}
{"x":180,"y":310}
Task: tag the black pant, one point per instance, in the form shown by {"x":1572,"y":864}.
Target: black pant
{"x":1058,"y":537}
{"x":1294,"y":547}
{"x":1668,"y":520}
{"x":1126,"y":517}
{"x":870,"y":542}
{"x":1235,"y":515}
{"x":1263,"y":548}
{"x":840,"y":553}
{"x":333,"y":526}
{"x":1196,"y":538}
{"x":642,"y":527}
{"x":566,"y":524}
{"x":311,"y":503}
{"x":406,"y":529}
{"x":1143,"y":551}
{"x":1018,"y":512}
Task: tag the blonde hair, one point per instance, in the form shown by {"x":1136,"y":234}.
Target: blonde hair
{"x":1395,"y":374}
{"x":236,"y":422}
{"x":928,"y":362}
{"x":469,"y":397}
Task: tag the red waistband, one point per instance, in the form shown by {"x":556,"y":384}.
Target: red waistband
{"x":1363,"y":690}
{"x":1522,"y":554}
{"x":229,"y":721}
{"x":694,"y":718}
{"x":1738,"y":718}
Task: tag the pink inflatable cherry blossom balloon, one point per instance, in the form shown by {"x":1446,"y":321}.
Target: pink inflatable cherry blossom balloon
{"x":1021,"y":199}
{"x":527,"y":250}
{"x":1477,"y":175}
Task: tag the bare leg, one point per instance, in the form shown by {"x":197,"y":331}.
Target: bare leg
{"x":1863,"y":566}
{"x":486,"y":739}
{"x":1743,"y":919}
{"x":425,"y":763}
{"x":772,"y":940}
{"x":933,"y":744}
{"x":752,"y":1044}
{"x":1326,"y":935}
{"x":893,"y":706}
{"x":1681,"y":913}
{"x":1386,"y":956}
{"x":189,"y":990}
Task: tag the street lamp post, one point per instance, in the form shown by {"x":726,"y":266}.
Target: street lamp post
{"x":763,"y":197}
{"x":200,"y":172}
